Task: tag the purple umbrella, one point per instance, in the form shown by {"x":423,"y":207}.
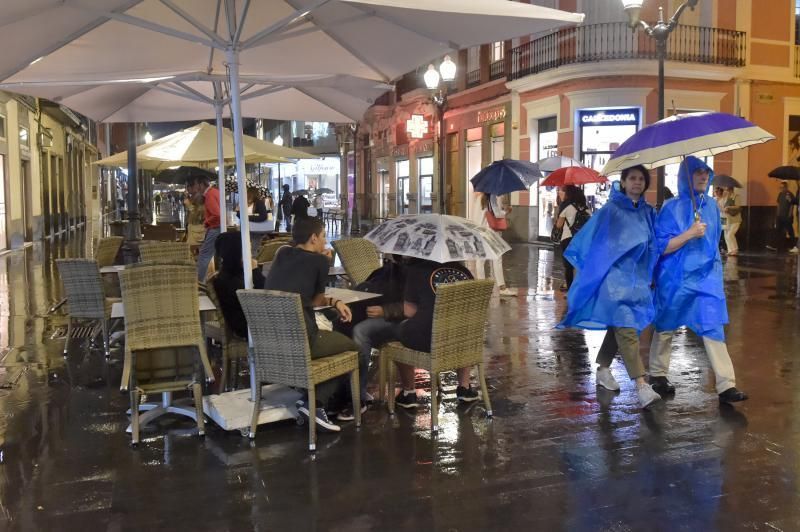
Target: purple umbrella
{"x":669,"y":140}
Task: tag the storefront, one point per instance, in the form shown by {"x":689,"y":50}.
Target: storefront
{"x":545,"y":198}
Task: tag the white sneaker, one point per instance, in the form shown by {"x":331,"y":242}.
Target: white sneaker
{"x":794,"y":250}
{"x":647,"y":396}
{"x":606,"y":379}
{"x":510,"y":292}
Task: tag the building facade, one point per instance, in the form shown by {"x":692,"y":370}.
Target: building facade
{"x":582,"y":91}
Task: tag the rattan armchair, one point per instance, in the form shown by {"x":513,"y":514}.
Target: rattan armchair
{"x":164,"y":252}
{"x":459,"y":331}
{"x":106,"y":251}
{"x":86,"y":299}
{"x":359,"y":258}
{"x":164,"y":344}
{"x":268,"y":249}
{"x":233,"y":347}
{"x":281,"y":353}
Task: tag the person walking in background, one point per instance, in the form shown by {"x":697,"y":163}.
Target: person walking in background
{"x":720,"y":196}
{"x":615,"y":254}
{"x":209,"y":197}
{"x":573,"y":202}
{"x":300,"y":207}
{"x":784,"y":219}
{"x":318,"y":204}
{"x":733,"y":213}
{"x":689,"y":288}
{"x":286,"y":207}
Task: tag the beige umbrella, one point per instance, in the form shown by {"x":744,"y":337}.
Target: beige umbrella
{"x":197,"y":146}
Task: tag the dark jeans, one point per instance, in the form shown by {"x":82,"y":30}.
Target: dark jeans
{"x":783,"y":226}
{"x":368,"y":334}
{"x":324,"y":344}
{"x":569,"y":269}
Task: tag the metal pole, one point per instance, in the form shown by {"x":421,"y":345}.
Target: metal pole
{"x":232,"y":57}
{"x":661,"y":48}
{"x":355,"y":228}
{"x":134,"y":229}
{"x":223,"y":217}
{"x":442,"y":152}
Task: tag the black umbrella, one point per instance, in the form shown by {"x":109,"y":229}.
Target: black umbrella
{"x":787,"y":173}
{"x":180,"y":175}
{"x":725,"y":181}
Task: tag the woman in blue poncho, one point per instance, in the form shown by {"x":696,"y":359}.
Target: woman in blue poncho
{"x":615,"y":254}
{"x":689,"y":287}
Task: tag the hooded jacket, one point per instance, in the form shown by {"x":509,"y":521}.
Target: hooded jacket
{"x":615,"y":254}
{"x":689,"y":288}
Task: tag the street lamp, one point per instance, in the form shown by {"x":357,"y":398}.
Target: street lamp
{"x":660,"y":32}
{"x":148,"y":138}
{"x":446,"y":73}
{"x":278,"y":141}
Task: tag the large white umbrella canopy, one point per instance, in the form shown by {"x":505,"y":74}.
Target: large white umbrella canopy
{"x":104,"y":41}
{"x":197,"y":146}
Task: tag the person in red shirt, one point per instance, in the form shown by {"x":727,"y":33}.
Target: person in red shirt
{"x":209,"y":197}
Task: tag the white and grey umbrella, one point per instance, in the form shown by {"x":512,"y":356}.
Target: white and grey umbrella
{"x":437,"y":237}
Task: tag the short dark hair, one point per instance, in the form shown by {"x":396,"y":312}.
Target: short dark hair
{"x":304,"y":228}
{"x":645,"y":172}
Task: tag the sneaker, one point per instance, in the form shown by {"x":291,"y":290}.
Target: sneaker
{"x":647,"y":396}
{"x":321,"y":417}
{"x":466,"y":395}
{"x":794,"y":250}
{"x":406,"y":400}
{"x":661,"y":385}
{"x":606,"y":379}
{"x":508,"y":292}
{"x":347,"y":414}
{"x":732,"y":395}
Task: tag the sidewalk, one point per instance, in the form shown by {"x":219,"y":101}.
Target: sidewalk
{"x":559,"y":453}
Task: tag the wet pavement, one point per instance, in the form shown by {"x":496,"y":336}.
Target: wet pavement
{"x":558,"y":455}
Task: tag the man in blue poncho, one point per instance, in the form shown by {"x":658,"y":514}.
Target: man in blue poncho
{"x":689,"y":290}
{"x":615,"y":254}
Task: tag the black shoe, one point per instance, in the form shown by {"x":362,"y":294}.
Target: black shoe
{"x":321,"y":417}
{"x":661,"y":385}
{"x":406,"y":400}
{"x":347,"y":414}
{"x":466,"y":395}
{"x":732,"y":395}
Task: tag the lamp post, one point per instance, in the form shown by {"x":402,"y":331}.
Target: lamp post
{"x":660,"y":32}
{"x":433,"y":77}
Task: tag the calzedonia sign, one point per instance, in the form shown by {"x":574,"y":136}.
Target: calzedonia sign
{"x":609,"y":117}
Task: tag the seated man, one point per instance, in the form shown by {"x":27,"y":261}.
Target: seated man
{"x":423,"y":276}
{"x":230,"y":279}
{"x":381,"y":322}
{"x":303,"y":269}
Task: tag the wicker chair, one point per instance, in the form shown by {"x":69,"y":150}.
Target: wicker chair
{"x":164,"y":252}
{"x":268,"y":249}
{"x":459,"y":330}
{"x":164,"y":340}
{"x":233,"y":347}
{"x":281,"y":353}
{"x":86,"y":299}
{"x":359,"y":258}
{"x":106,"y":251}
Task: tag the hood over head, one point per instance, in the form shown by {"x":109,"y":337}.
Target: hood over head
{"x":687,"y":169}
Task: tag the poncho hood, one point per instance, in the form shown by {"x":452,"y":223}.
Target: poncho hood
{"x":687,"y":169}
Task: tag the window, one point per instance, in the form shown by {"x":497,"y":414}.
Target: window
{"x":498,"y":50}
{"x":473,"y":58}
{"x":2,"y":127}
{"x":24,"y":137}
{"x":425,"y":184}
{"x":402,"y":186}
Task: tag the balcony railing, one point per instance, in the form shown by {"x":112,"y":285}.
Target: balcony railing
{"x":473,"y":78}
{"x":615,"y":40}
{"x":497,"y":69}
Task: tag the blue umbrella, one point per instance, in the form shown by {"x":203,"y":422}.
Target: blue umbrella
{"x":507,"y":175}
{"x":669,"y":140}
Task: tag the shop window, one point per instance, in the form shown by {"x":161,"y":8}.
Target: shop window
{"x":546,"y":139}
{"x":498,"y":144}
{"x":403,"y":178}
{"x":425,"y":184}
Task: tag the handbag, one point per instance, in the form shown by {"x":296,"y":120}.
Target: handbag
{"x":555,"y":234}
{"x":497,"y":224}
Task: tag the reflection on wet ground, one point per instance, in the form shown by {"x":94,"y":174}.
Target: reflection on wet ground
{"x":559,"y":454}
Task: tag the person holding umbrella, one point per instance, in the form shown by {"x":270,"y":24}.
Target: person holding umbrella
{"x":689,"y":289}
{"x":784,"y":218}
{"x":615,"y":254}
{"x":286,"y":206}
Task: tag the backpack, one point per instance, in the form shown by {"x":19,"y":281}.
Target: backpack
{"x":581,"y":217}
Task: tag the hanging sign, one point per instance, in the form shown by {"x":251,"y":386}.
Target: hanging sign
{"x":417,"y":127}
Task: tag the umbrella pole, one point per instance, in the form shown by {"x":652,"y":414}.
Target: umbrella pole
{"x":223,"y":216}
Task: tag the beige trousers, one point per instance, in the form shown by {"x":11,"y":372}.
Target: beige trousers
{"x":625,"y":341}
{"x":730,"y":230}
{"x":717,"y":352}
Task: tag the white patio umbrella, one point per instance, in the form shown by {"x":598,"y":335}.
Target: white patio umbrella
{"x":248,"y":41}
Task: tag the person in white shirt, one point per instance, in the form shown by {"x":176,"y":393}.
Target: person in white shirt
{"x":572,"y":199}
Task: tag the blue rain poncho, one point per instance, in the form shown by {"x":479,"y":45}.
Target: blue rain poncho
{"x":615,"y":254}
{"x":689,"y":289}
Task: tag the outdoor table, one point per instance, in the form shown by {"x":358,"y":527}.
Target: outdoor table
{"x":347,"y":296}
{"x":112,"y":269}
{"x":118,"y":309}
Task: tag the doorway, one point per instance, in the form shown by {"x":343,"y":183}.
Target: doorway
{"x":27,"y":208}
{"x":474,"y":165}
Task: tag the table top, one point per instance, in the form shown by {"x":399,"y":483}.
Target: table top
{"x":112,"y":269}
{"x":348,"y":296}
{"x":336,"y":270}
{"x":206,"y":305}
